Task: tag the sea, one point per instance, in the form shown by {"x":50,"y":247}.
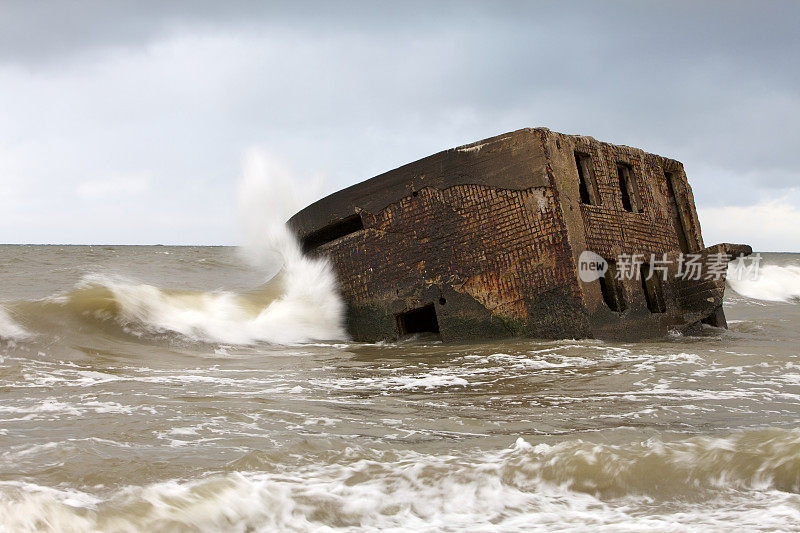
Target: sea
{"x":156,"y":388}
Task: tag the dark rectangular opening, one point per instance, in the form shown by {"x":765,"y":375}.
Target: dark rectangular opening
{"x":587,"y":184}
{"x":612,"y":290}
{"x":421,"y":320}
{"x":628,"y":188}
{"x":677,"y":219}
{"x":653,"y":292}
{"x":333,"y":231}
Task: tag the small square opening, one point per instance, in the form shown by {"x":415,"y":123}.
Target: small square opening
{"x":421,"y":320}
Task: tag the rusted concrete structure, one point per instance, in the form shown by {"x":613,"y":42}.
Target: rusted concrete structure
{"x":484,"y":241}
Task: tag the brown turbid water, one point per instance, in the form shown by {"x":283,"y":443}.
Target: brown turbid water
{"x":178,"y":389}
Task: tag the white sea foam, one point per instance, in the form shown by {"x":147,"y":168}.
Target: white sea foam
{"x":773,"y":283}
{"x":9,"y":329}
{"x":50,"y":408}
{"x":298,"y":302}
{"x":746,"y":481}
{"x":306,"y":308}
{"x":427,"y":381}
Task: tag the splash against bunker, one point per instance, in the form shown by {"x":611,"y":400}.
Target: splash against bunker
{"x":487,"y":240}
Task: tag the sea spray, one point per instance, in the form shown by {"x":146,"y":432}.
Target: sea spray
{"x":310,"y":306}
{"x":268,"y":194}
{"x":774,"y":283}
{"x":297,"y":302}
{"x":10,"y":330}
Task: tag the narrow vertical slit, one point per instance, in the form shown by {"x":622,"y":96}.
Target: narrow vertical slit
{"x":677,"y":219}
{"x":587,"y":184}
{"x":612,"y":290}
{"x":653,"y":291}
{"x":624,"y":176}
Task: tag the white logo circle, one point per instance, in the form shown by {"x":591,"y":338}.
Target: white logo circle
{"x":591,"y":266}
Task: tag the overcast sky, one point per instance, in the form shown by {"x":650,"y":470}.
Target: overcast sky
{"x":126,"y":122}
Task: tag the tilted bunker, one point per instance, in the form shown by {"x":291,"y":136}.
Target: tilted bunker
{"x":485,"y":240}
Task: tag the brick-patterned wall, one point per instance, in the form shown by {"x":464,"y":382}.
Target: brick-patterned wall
{"x":609,"y":228}
{"x":500,"y":246}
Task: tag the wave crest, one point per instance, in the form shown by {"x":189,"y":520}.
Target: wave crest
{"x":774,"y":283}
{"x":294,"y":306}
{"x":300,"y":303}
{"x":10,"y":330}
{"x":574,"y":484}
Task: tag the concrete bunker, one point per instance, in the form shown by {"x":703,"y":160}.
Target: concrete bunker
{"x":496,"y":228}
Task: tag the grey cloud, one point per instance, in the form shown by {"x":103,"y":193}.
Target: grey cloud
{"x":178,"y":89}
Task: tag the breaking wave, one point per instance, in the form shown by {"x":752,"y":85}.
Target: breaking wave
{"x":775,"y":283}
{"x":10,"y":330}
{"x":294,"y":306}
{"x":746,"y":480}
{"x":300,"y":303}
